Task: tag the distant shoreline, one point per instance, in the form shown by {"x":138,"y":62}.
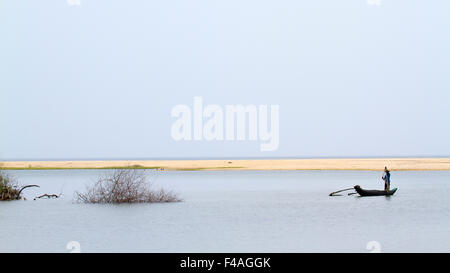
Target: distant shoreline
{"x":367,"y":164}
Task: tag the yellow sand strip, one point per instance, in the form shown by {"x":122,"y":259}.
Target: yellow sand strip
{"x":375,"y":164}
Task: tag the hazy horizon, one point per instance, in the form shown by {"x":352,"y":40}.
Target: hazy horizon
{"x":218,"y":158}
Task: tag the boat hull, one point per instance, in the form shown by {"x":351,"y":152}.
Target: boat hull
{"x":363,"y":192}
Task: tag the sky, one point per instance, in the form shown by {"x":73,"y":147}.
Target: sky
{"x":98,"y":79}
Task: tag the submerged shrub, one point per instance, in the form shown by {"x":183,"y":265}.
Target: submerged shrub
{"x":125,"y":186}
{"x":8,"y":188}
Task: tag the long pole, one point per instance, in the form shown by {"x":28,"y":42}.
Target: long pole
{"x":333,"y":193}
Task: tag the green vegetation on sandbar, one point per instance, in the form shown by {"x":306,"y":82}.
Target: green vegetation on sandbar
{"x":122,"y":167}
{"x":81,"y":168}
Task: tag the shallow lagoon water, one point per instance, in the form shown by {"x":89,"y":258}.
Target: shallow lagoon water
{"x":234,"y":211}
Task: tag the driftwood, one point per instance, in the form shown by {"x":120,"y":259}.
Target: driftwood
{"x":48,"y":196}
{"x":24,"y":187}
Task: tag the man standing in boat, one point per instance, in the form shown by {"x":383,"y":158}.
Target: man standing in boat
{"x":387,"y":179}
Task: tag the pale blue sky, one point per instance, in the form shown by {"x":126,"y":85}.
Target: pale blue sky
{"x":99,"y":80}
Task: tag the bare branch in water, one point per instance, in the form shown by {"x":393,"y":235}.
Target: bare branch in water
{"x":49,"y":196}
{"x":125,"y":186}
{"x":27,"y":186}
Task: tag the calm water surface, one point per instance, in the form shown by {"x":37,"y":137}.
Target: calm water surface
{"x":234,"y":211}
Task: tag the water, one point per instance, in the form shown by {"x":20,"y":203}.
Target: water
{"x":234,"y":211}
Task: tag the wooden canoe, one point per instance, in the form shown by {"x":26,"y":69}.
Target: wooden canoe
{"x":364,"y":192}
